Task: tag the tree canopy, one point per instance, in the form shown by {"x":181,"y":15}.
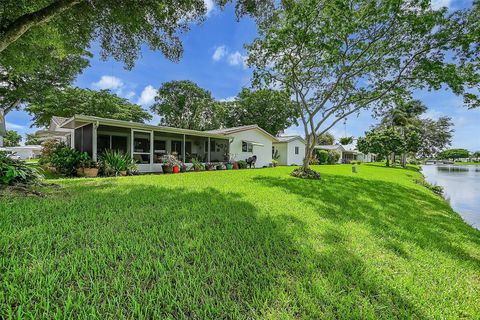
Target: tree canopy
{"x":382,"y":142}
{"x":453,"y":154}
{"x":272,"y":110}
{"x":72,"y":101}
{"x":326,"y":139}
{"x":31,"y":139}
{"x":11,"y":139}
{"x":338,"y":58}
{"x":183,"y":104}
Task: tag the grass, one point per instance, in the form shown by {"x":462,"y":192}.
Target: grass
{"x":239,"y":244}
{"x":468,"y":163}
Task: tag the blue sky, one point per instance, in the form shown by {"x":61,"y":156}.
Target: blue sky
{"x":213,"y":58}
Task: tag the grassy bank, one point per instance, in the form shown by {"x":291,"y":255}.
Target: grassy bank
{"x":239,"y":244}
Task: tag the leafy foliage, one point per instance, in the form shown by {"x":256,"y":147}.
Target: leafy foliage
{"x":326,"y":139}
{"x":272,"y":110}
{"x":88,"y":102}
{"x":322,"y":156}
{"x":113,"y":162}
{"x":305,"y":174}
{"x":346,"y":140}
{"x":183,"y":104}
{"x":453,"y":154}
{"x":66,"y":160}
{"x":382,"y":142}
{"x":11,"y":139}
{"x":338,"y":58}
{"x":333,"y":156}
{"x":16,"y":172}
{"x":31,"y":139}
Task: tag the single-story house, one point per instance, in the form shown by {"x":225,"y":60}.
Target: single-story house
{"x":347,"y":153}
{"x":25,"y":152}
{"x":56,"y":131}
{"x":290,"y":150}
{"x":147,"y":144}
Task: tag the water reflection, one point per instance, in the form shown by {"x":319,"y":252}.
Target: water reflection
{"x":461,"y":186}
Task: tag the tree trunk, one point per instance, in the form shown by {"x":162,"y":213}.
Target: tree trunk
{"x":388,"y":160}
{"x":308,"y":153}
{"x":394,"y":162}
{"x":13,"y":31}
{"x":404,"y":160}
{"x":3,"y":128}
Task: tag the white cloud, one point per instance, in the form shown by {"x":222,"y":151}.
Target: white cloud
{"x":210,"y":5}
{"x":147,"y":97}
{"x":438,"y":4}
{"x":228,"y":99}
{"x":130,"y":94}
{"x":219,"y":53}
{"x":236,"y":58}
{"x":108,"y":82}
{"x":13,"y":126}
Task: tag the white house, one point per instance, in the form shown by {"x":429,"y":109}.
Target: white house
{"x":25,"y":152}
{"x":290,"y":150}
{"x":56,"y":131}
{"x":347,"y":153}
{"x":247,"y":141}
{"x":147,"y":144}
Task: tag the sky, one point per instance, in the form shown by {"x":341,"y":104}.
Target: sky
{"x":214,"y":59}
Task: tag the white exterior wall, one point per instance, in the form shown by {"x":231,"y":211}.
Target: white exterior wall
{"x":296,"y":159}
{"x":263,"y":153}
{"x":25,"y":153}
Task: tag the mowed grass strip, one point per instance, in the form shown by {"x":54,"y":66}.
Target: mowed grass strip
{"x":239,"y":244}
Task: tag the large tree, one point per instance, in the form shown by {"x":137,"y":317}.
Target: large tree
{"x":12,"y":139}
{"x":435,"y":135}
{"x":72,"y":101}
{"x":31,"y":139}
{"x":183,"y":104}
{"x":453,"y":154}
{"x":272,"y":110}
{"x":383,"y":142}
{"x":325,"y":139}
{"x":339,"y":58}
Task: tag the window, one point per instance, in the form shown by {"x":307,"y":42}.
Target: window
{"x":247,"y":147}
{"x":297,"y":150}
{"x":141,"y":147}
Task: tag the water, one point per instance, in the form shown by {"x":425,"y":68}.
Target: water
{"x":461,"y":186}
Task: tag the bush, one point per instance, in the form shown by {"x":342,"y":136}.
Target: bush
{"x":435,"y":188}
{"x":333,"y":156}
{"x":313,"y":161}
{"x":305,"y":174}
{"x":48,"y":147}
{"x":66,"y":160}
{"x":322,"y":156}
{"x":242,"y":164}
{"x":16,"y":172}
{"x":112,"y":163}
{"x":356,"y":162}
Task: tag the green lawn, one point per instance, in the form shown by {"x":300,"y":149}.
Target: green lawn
{"x":239,"y":244}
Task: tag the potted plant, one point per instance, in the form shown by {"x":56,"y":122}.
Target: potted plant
{"x":209,"y":166}
{"x":197,"y":165}
{"x":221,"y":166}
{"x":235,"y":165}
{"x":83,"y":161}
{"x":169,"y":163}
{"x":91,"y":169}
{"x":231,"y":162}
{"x":242,"y":164}
{"x":274,"y":163}
{"x":115,"y":163}
{"x":229,"y":166}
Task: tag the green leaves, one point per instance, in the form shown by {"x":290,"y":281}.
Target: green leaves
{"x":85,"y":101}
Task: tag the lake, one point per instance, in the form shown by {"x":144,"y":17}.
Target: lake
{"x":461,"y":186}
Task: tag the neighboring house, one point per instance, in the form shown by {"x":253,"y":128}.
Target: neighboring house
{"x":55,"y":131}
{"x":147,"y":144}
{"x":247,"y":141}
{"x":290,"y":150}
{"x":25,"y":152}
{"x":347,"y":153}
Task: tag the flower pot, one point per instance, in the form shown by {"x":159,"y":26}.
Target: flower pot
{"x":81,"y":172}
{"x":235,"y":166}
{"x":229,"y":166}
{"x":167,"y":168}
{"x":176,"y":169}
{"x":123,"y":173}
{"x":90,"y":172}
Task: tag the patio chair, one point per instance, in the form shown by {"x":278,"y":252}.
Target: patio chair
{"x":251,"y":161}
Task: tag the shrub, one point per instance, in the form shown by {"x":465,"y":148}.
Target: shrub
{"x":356,"y":162}
{"x":333,"y":156}
{"x":435,"y":188}
{"x":197,"y":165}
{"x":322,"y":156}
{"x":114,"y":162}
{"x":305,"y":174}
{"x":16,"y":172}
{"x":242,"y":164}
{"x":66,"y":160}
{"x":48,"y":147}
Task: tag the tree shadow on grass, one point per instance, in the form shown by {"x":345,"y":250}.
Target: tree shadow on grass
{"x":394,"y":212}
{"x":146,"y":251}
